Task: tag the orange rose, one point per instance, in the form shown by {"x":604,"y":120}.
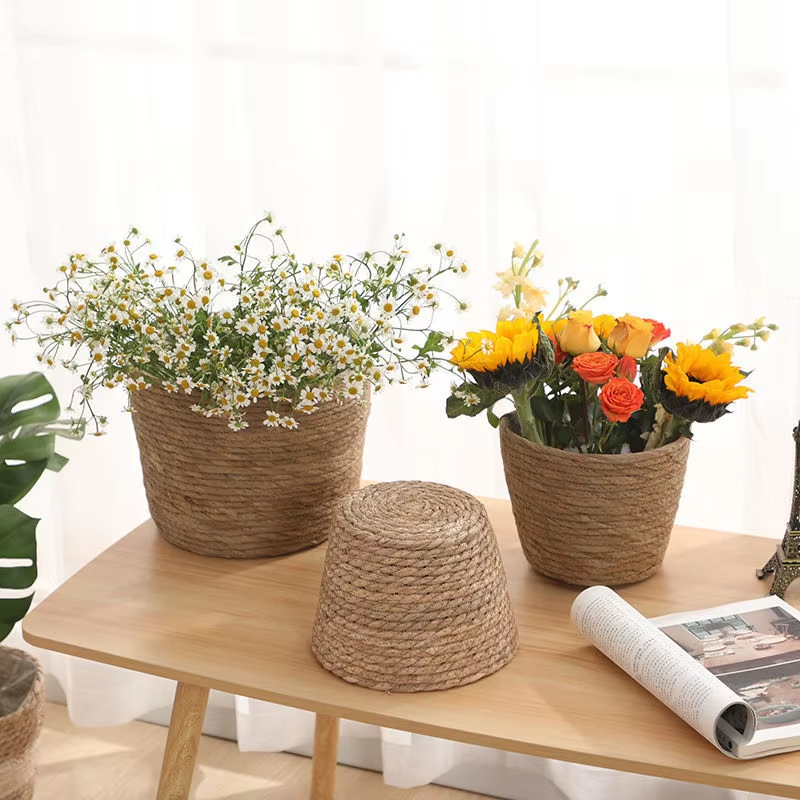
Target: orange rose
{"x":578,"y":336}
{"x":619,"y":398}
{"x":627,"y":368}
{"x":631,"y":337}
{"x":597,"y":368}
{"x":659,"y":331}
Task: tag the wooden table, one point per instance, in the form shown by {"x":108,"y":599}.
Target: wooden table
{"x":244,"y":626}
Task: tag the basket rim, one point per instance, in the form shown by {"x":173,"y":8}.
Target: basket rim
{"x":184,"y":400}
{"x":506,"y":429}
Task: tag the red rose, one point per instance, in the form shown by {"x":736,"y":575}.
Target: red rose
{"x":627,"y":368}
{"x":659,"y":331}
{"x":596,"y":367}
{"x":619,"y":398}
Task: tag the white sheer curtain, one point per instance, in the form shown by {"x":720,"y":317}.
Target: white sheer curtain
{"x":650,"y":147}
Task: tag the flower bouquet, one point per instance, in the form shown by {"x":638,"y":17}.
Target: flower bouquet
{"x":284,"y":352}
{"x":595,"y":450}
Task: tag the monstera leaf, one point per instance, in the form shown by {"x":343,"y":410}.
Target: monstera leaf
{"x":28,"y":406}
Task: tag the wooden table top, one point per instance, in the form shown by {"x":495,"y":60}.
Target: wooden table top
{"x":244,"y":627}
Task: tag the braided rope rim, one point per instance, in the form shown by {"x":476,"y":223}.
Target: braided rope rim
{"x":592,"y":519}
{"x":414,"y":595}
{"x":258,"y":492}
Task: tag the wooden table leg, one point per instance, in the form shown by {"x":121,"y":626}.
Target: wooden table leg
{"x":323,"y":760}
{"x":183,"y":739}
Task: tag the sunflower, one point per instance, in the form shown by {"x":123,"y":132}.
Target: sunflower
{"x":698,"y":384}
{"x":510,"y":355}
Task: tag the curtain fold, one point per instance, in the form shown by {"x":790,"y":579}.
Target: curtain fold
{"x":650,"y":148}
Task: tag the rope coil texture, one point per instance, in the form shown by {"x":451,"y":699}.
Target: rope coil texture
{"x":258,"y":492}
{"x":19,"y":730}
{"x":413,"y":595}
{"x":592,"y":519}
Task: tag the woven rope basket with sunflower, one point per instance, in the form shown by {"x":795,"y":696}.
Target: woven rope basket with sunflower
{"x":593,"y":383}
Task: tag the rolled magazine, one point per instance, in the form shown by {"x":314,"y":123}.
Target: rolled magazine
{"x":731,"y":672}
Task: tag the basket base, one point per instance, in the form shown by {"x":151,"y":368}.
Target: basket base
{"x":581,"y":581}
{"x":220,"y":547}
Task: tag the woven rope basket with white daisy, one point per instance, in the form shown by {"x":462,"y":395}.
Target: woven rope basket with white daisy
{"x":249,"y":376}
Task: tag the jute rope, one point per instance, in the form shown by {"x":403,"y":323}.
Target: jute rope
{"x":592,"y":519}
{"x":20,"y":675}
{"x":245,"y":494}
{"x":413,"y":594}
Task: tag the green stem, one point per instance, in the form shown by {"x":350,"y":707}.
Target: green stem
{"x":585,"y":414}
{"x":531,"y":251}
{"x":528,"y":424}
{"x":604,"y":437}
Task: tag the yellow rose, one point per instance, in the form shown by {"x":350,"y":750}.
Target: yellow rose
{"x":577,"y":335}
{"x":604,"y":324}
{"x":631,"y":337}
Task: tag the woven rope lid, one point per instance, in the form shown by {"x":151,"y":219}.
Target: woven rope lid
{"x":413,"y":594}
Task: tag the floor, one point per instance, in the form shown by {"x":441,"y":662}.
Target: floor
{"x":123,"y":764}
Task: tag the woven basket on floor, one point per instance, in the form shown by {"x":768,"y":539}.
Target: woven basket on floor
{"x":21,"y":715}
{"x":592,"y":519}
{"x":413,"y":594}
{"x":261,"y":491}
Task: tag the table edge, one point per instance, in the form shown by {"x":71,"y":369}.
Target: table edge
{"x":619,"y":763}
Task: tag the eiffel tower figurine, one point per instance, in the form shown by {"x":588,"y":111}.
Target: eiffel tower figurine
{"x":785,"y":562}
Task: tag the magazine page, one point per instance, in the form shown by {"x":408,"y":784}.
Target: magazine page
{"x":753,"y":647}
{"x":665,"y":669}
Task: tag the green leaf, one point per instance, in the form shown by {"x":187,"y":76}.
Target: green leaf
{"x":433,"y":344}
{"x":17,"y":480}
{"x":17,"y":540}
{"x":562,"y":435}
{"x":651,"y":375}
{"x":494,"y":420}
{"x":15,"y":389}
{"x":545,"y":352}
{"x":56,"y":462}
{"x":547,"y":410}
{"x":456,"y":407}
{"x":23,"y":441}
{"x":28,"y":448}
{"x":12,"y":610}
